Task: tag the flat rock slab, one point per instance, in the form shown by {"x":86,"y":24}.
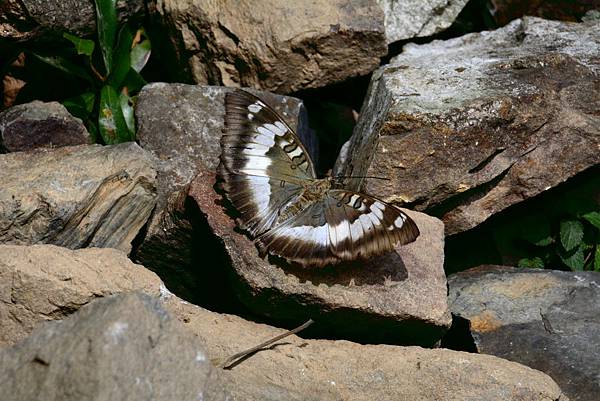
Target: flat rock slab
{"x":272,"y":45}
{"x":343,"y":370}
{"x":117,"y":348}
{"x":548,"y":320}
{"x":82,"y":196}
{"x":399,"y":297}
{"x":467,"y":127}
{"x":417,"y":18}
{"x":40,"y":125}
{"x":47,"y":282}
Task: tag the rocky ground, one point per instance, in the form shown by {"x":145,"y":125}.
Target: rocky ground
{"x":122,"y":272}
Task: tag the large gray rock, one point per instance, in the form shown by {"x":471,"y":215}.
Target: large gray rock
{"x":29,"y":19}
{"x":124,"y":347}
{"x":465,"y":128}
{"x":40,"y":125}
{"x":47,"y":282}
{"x":399,"y":297}
{"x":548,"y":320}
{"x":408,"y":19}
{"x":82,"y":196}
{"x":343,"y":370}
{"x":271,"y":45}
{"x":181,"y":126}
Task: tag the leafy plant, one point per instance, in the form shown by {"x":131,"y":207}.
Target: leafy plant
{"x":575,"y":243}
{"x":110,"y":69}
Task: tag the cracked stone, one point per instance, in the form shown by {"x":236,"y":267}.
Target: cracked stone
{"x":417,"y":18}
{"x":467,"y":127}
{"x":272,"y":45}
{"x":76,"y":196}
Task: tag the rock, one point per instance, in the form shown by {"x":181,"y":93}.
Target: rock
{"x":504,"y":11}
{"x":343,"y":370}
{"x":398,"y":298}
{"x":38,"y":124}
{"x":121,"y":347}
{"x":271,"y":45}
{"x":416,"y":18}
{"x":292,"y":369}
{"x":81,"y":196}
{"x":465,"y":128}
{"x":47,"y":282}
{"x":30,"y":19}
{"x":181,"y":126}
{"x":544,"y":319}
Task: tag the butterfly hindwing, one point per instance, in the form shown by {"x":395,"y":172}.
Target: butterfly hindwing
{"x":343,"y":226}
{"x":362,"y":226}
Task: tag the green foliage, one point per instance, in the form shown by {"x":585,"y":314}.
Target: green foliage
{"x":109,"y":69}
{"x":575,"y":243}
{"x":558,"y":230}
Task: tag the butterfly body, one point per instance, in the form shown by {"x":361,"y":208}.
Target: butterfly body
{"x":270,"y":179}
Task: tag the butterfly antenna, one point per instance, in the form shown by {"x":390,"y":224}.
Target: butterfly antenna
{"x":361,"y":176}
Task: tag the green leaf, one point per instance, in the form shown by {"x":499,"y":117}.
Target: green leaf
{"x":531,"y":263}
{"x":83,"y":46}
{"x":593,"y":218}
{"x":64,"y":65}
{"x":106,"y":20}
{"x":597,"y":258}
{"x":133,"y":82}
{"x":81,"y":106}
{"x":127,"y":108}
{"x":571,"y":234}
{"x":574,"y":259}
{"x":111,"y":121}
{"x":121,"y":57}
{"x":140,"y":55}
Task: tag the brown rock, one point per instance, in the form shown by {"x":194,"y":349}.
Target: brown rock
{"x":548,"y":320}
{"x":292,"y":369}
{"x":342,"y":370}
{"x":401,"y":295}
{"x":47,"y":282}
{"x":467,"y":127}
{"x":40,"y":125}
{"x":82,"y":196}
{"x":504,"y":11}
{"x":181,"y":126}
{"x":272,"y":45}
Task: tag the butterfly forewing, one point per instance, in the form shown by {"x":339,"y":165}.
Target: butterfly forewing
{"x":257,"y":141}
{"x":263,"y":163}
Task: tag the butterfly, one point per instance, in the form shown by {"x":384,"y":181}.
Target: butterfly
{"x":268,"y":176}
